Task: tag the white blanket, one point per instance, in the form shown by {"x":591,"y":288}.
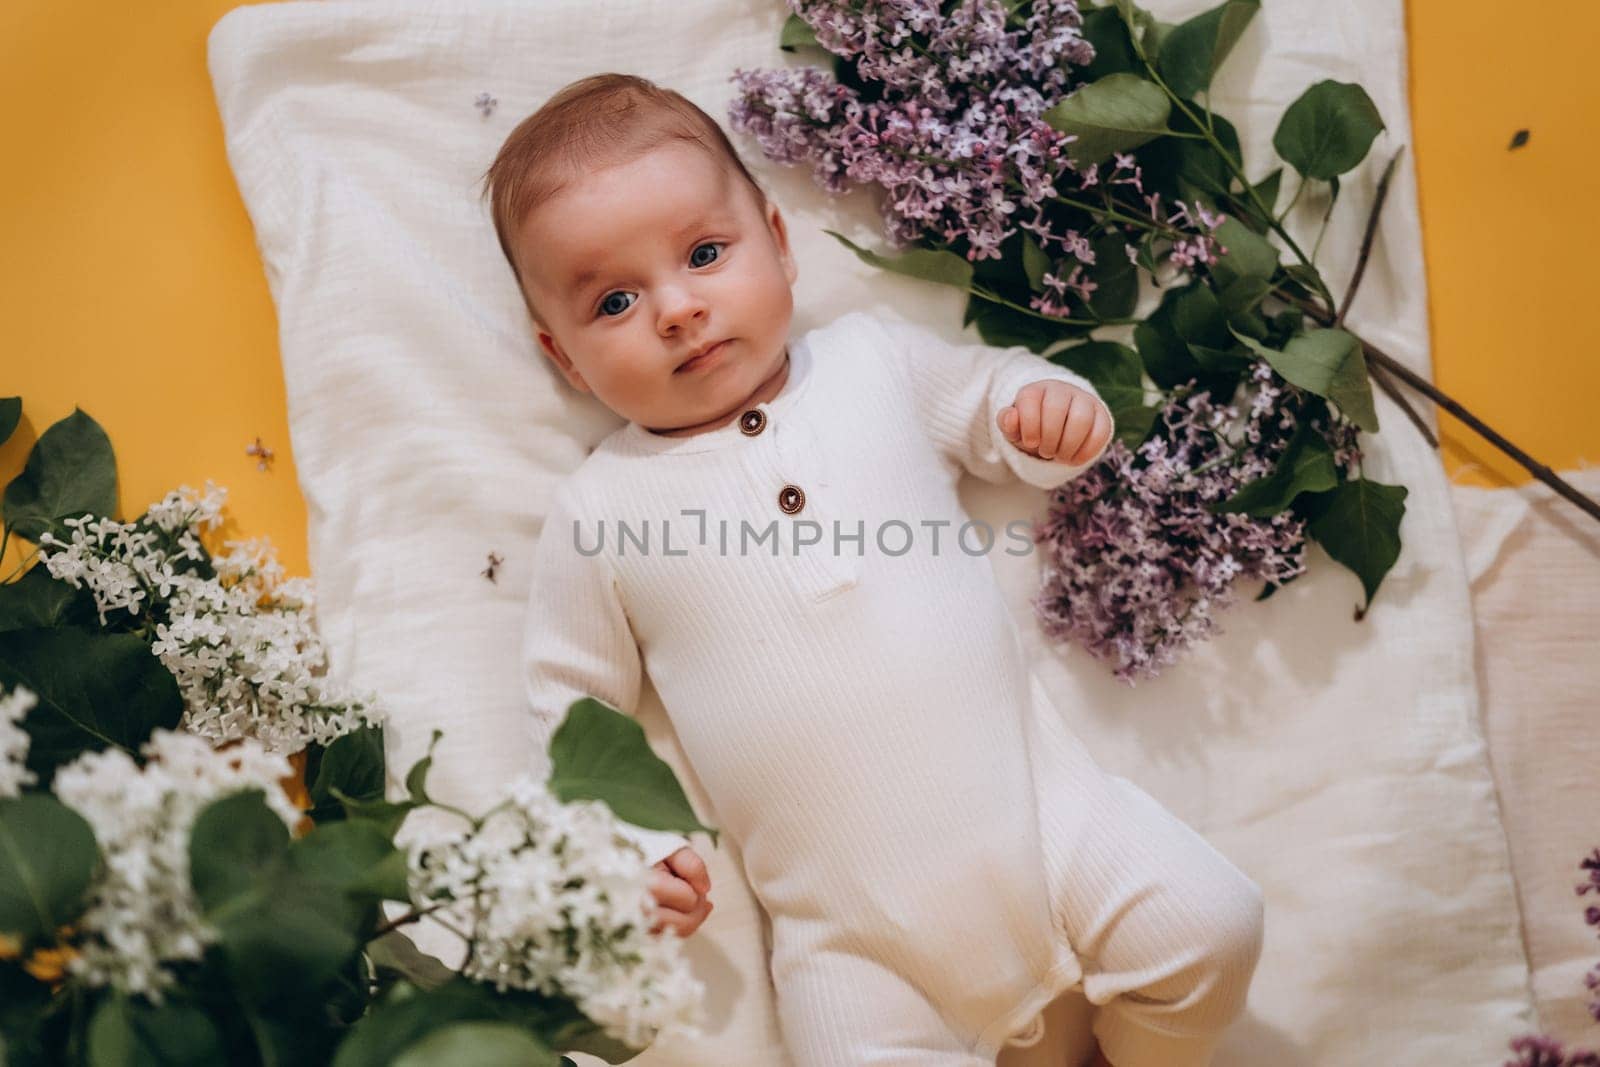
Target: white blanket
{"x":1341,"y":764}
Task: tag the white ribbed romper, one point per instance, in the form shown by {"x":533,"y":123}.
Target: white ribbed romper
{"x":927,"y":837}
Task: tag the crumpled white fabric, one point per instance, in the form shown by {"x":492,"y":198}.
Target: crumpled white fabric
{"x":1340,"y":764}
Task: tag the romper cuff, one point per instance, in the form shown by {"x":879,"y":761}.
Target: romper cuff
{"x":657,"y":845}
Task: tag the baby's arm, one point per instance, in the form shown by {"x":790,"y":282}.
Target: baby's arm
{"x":963,"y":392}
{"x":578,"y":643}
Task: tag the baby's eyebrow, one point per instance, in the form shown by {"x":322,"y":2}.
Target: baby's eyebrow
{"x":589,"y":274}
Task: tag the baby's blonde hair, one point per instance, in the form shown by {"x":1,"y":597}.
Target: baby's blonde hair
{"x":598,"y":121}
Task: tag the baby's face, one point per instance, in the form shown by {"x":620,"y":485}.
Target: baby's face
{"x":638,"y":267}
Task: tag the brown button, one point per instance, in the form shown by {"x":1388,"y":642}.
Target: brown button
{"x":791,"y":498}
{"x":753,"y":422}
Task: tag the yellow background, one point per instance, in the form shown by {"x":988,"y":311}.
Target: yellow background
{"x":131,"y":285}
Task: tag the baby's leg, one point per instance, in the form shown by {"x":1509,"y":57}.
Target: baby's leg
{"x":1167,"y":929}
{"x":839,"y":1009}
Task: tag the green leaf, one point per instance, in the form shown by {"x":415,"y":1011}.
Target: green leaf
{"x":1104,"y":29}
{"x":1248,"y":255}
{"x":1145,"y":28}
{"x":71,"y":470}
{"x":796,"y":33}
{"x":598,"y":753}
{"x":406,"y":1016}
{"x":354,"y":856}
{"x":1358,"y":524}
{"x":31,"y":1030}
{"x":281,"y":931}
{"x":291,"y":939}
{"x":933,"y":265}
{"x":1114,"y":114}
{"x":1004,"y":327}
{"x":1190,"y":168}
{"x":38,"y":601}
{"x":1034,"y":260}
{"x":1328,"y":130}
{"x":1194,"y":50}
{"x":95,"y":690}
{"x":1110,"y":367}
{"x":386,"y":815}
{"x":1164,"y":354}
{"x":1330,"y":364}
{"x":396,"y":953}
{"x":354,"y":762}
{"x":237,"y":842}
{"x":48,"y":857}
{"x":1305,"y":466}
{"x":1243,"y":274}
{"x":1198,"y":318}
{"x":482,"y":1044}
{"x":132,"y":1033}
{"x":1260,"y":219}
{"x":417,"y":777}
{"x":1116,"y":278}
{"x":10,"y":415}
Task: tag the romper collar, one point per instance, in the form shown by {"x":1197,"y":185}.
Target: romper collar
{"x":636,"y":438}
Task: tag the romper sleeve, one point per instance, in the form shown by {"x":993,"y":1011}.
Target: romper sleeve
{"x":960,"y":390}
{"x":578,"y":643}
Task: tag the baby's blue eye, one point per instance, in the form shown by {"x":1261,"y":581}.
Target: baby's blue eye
{"x":610,"y":309}
{"x":708,"y":244}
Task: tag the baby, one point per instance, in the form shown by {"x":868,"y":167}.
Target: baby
{"x":937,"y":854}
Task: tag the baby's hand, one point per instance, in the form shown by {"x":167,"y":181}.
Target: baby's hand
{"x":1056,"y":420}
{"x":680,"y":885}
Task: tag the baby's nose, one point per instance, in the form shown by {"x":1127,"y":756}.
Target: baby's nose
{"x":680,"y":308}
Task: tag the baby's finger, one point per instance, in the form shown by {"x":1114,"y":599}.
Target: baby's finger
{"x":688,"y":865}
{"x":682,"y":923}
{"x":1100,"y":435}
{"x":1009,"y":421}
{"x":1028,"y":405}
{"x":671,"y":891}
{"x":1092,"y":425}
{"x":1053,"y":419}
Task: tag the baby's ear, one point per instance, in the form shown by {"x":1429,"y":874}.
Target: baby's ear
{"x":553,"y":352}
{"x":780,"y":237}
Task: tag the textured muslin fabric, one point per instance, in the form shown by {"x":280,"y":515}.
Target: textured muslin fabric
{"x":1340,"y":763}
{"x":1534,"y":562}
{"x":848,"y":686}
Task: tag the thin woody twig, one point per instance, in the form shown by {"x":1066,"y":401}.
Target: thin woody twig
{"x":1366,"y":239}
{"x":1380,"y":376}
{"x":1377,"y":373}
{"x":406,"y":919}
{"x":1382,"y":359}
{"x":1380,"y":362}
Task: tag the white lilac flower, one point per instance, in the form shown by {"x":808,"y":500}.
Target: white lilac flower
{"x":555,"y":900}
{"x":143,"y":916}
{"x":14,"y":773}
{"x":239,"y":638}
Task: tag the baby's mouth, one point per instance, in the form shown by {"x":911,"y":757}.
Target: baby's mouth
{"x":696,"y":362}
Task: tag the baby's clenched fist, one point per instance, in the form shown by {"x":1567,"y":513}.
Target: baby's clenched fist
{"x":1056,"y":420}
{"x":680,"y":884}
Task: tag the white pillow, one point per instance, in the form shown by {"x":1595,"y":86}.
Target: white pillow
{"x":1340,"y":764}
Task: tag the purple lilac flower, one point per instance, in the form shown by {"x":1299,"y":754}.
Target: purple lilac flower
{"x":1135,"y":566}
{"x":1538,"y":1051}
{"x":1591,"y":915}
{"x":952,"y":130}
{"x":956,"y":138}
